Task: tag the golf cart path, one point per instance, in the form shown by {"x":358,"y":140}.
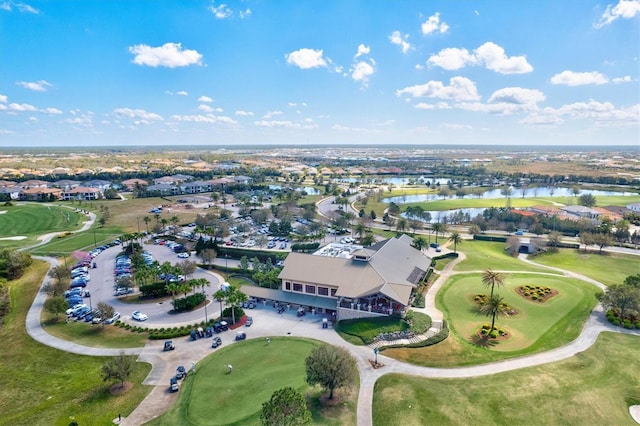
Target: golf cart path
{"x":159,"y":400}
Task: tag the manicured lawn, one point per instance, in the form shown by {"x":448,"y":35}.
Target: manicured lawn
{"x":59,"y":246}
{"x":44,"y":386}
{"x":459,"y":203}
{"x":213,"y":397}
{"x":486,"y":254}
{"x":537,"y":328}
{"x":608,"y":268}
{"x":99,"y":336}
{"x":32,"y":220}
{"x":594,"y":387}
{"x":362,"y":331}
{"x":533,"y":319}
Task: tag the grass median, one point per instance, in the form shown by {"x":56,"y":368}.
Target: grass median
{"x":40,"y":385}
{"x":594,"y":387}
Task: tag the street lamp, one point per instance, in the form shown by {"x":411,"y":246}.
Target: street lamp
{"x":375,"y":351}
{"x":206,"y":319}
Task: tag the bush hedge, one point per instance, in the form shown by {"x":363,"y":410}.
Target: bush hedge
{"x":443,"y":334}
{"x":188,"y":303}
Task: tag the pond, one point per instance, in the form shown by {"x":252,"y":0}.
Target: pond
{"x":308,"y":189}
{"x":541,"y":191}
{"x":446,"y":215}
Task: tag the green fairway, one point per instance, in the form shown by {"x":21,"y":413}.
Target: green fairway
{"x":62,"y":246}
{"x":32,"y":220}
{"x":607,"y":268}
{"x":214,"y":397}
{"x":486,"y":254}
{"x":459,"y":203}
{"x":533,"y":319}
{"x":594,"y":387}
{"x":44,"y":386}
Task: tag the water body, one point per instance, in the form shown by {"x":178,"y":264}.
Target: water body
{"x":308,"y":189}
{"x":400,"y":181}
{"x":515,"y":193}
{"x":443,"y":215}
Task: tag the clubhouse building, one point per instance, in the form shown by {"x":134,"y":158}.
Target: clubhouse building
{"x":350,"y":281}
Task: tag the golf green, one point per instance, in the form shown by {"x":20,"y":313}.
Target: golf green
{"x":532,"y":319}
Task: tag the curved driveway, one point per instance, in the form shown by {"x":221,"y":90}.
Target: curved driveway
{"x":268,"y":323}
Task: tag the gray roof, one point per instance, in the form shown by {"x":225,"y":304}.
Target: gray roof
{"x":393,"y":269}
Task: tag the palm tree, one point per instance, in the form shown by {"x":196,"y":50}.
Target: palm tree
{"x":173,"y":289}
{"x":146,"y":221}
{"x":360,"y":229}
{"x":492,"y":279}
{"x":438,"y":227}
{"x":401,"y":225}
{"x":233,"y":297}
{"x":419,"y":242}
{"x":493,"y":307}
{"x":456,"y":239}
{"x":220,"y":296}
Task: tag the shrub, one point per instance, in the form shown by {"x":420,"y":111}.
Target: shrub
{"x":616,"y":321}
{"x":534,"y":296}
{"x":493,"y":334}
{"x":627,"y":324}
{"x":484,"y":331}
{"x":638,"y":324}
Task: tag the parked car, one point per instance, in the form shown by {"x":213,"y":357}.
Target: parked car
{"x":241,"y":335}
{"x":139,"y":316}
{"x":249,"y":322}
{"x":114,"y":318}
{"x":173,"y":384}
{"x":216,"y":342}
{"x":168,"y":346}
{"x":181,"y":372}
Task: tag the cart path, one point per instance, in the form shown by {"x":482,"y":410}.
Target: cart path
{"x":159,"y":400}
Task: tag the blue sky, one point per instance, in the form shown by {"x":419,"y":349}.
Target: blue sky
{"x":136,"y":72}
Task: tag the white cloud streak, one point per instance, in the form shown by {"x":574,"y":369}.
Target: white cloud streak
{"x":490,"y":55}
{"x":307,"y":58}
{"x":571,"y":78}
{"x":36,"y":86}
{"x":625,"y":9}
{"x":459,"y":89}
{"x":170,"y":55}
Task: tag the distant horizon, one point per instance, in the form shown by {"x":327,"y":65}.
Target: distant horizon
{"x":233,"y":72}
{"x":258,"y":147}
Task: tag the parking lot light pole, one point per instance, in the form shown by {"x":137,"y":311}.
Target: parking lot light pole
{"x":205,"y":310}
{"x":375,"y":351}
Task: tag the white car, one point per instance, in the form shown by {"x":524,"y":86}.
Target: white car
{"x":114,"y":318}
{"x":139,"y":316}
{"x":183,"y":255}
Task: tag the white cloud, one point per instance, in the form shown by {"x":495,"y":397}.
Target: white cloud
{"x":433,"y":24}
{"x":306,"y":58}
{"x":492,"y":56}
{"x":22,"y":107}
{"x":270,"y":114}
{"x":452,"y":58}
{"x":169,"y":55}
{"x":275,"y":123}
{"x":205,"y":108}
{"x":571,"y":78}
{"x":362,"y":50}
{"x":362,"y":70}
{"x":183,"y":93}
{"x":22,"y":7}
{"x":6,"y":132}
{"x":3,"y":99}
{"x":36,"y":86}
{"x":439,"y":105}
{"x":83,"y":120}
{"x":208,"y":118}
{"x":625,"y":9}
{"x":517,"y":95}
{"x":495,"y":59}
{"x":222,"y":11}
{"x":600,"y":114}
{"x":51,"y":111}
{"x":400,"y":40}
{"x":459,"y":89}
{"x":625,"y":79}
{"x":244,"y":113}
{"x":205,"y":99}
{"x":137,"y":114}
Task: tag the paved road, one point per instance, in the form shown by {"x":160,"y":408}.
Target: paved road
{"x":268,"y":323}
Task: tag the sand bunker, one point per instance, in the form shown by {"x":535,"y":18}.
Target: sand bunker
{"x":22,"y":237}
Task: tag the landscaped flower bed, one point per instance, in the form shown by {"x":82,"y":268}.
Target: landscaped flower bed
{"x":498,"y":333}
{"x":482,"y":298}
{"x":536,"y":293}
{"x":630,"y":321}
